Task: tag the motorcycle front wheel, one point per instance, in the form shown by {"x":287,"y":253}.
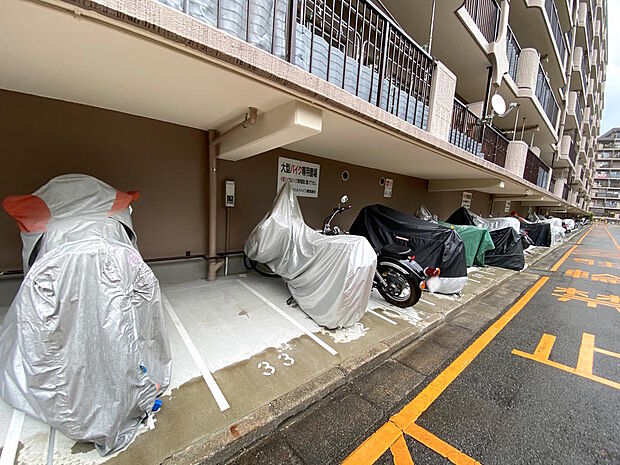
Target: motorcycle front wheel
{"x":401,"y":290}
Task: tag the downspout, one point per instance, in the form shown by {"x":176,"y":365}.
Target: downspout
{"x":214,"y":149}
{"x":430,"y":35}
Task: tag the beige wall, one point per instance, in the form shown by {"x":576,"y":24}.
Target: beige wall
{"x":42,"y":138}
{"x":256,"y":181}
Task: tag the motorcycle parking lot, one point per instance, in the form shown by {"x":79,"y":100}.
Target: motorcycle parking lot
{"x":228,"y":388}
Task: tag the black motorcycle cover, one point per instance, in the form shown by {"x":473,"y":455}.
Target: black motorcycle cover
{"x":508,"y":252}
{"x":539,"y":233}
{"x":433,"y":245}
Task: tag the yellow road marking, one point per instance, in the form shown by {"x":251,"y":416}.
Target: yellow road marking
{"x":606,"y":352}
{"x":585,"y":261}
{"x":606,"y":278}
{"x":577,"y":273}
{"x":565,"y":294}
{"x":381,"y":440}
{"x":400,"y":452}
{"x":412,"y":411}
{"x":543,"y":349}
{"x":612,"y":238}
{"x":564,"y":257}
{"x":584,"y":364}
{"x":441,"y":447}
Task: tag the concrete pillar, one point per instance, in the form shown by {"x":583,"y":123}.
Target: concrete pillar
{"x":527,"y":71}
{"x":441,"y":102}
{"x":577,"y":57}
{"x":516,"y":156}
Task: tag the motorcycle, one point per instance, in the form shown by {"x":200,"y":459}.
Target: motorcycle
{"x":398,"y":277}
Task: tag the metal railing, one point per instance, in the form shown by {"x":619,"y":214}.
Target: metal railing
{"x":465,"y":132}
{"x":513,"y":50}
{"x":556,"y":27}
{"x":350,"y":43}
{"x":578,"y":110}
{"x":482,"y":140}
{"x":565,"y":192}
{"x":552,"y":185}
{"x":536,"y":171}
{"x":494,"y":145}
{"x":485,"y":13}
{"x":589,"y":30}
{"x":545,"y":96}
{"x":572,"y":150}
{"x":584,"y":69}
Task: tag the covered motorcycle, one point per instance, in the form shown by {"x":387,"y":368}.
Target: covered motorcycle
{"x":83,"y":346}
{"x":539,"y":233}
{"x":330,"y":277}
{"x":432,"y":245}
{"x":476,"y":239}
{"x":508,"y":252}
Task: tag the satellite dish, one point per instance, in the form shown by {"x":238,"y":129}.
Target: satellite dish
{"x":498,"y":104}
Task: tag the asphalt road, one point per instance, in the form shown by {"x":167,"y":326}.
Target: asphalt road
{"x":528,"y":375}
{"x":504,"y":408}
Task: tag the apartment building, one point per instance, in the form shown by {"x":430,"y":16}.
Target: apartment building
{"x":606,"y":186}
{"x":149,"y":94}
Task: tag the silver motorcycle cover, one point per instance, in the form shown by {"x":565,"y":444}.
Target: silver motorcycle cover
{"x":330,"y":277}
{"x":84,"y":346}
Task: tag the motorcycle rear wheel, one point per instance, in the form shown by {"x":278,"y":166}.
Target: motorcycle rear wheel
{"x":402,"y":290}
{"x":261,"y":268}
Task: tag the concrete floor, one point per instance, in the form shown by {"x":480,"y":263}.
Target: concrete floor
{"x":236,"y":342}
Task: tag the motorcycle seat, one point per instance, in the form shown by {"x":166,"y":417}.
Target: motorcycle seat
{"x":397,"y":251}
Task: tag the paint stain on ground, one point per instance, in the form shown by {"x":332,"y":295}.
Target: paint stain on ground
{"x":244,"y":313}
{"x":82,"y":447}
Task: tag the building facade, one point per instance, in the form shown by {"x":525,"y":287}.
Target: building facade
{"x":149,"y":94}
{"x":606,"y":186}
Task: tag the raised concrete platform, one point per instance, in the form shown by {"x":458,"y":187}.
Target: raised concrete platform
{"x":236,"y":342}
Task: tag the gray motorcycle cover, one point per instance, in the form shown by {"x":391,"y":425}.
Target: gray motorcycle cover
{"x":330,"y":277}
{"x":83,"y":346}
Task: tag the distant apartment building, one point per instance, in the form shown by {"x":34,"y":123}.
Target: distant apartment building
{"x":148,"y":94}
{"x":606,"y":186}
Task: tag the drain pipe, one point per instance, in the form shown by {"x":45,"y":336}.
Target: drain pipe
{"x":214,"y":140}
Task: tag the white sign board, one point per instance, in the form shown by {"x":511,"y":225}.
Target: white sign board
{"x":466,"y":201}
{"x":303,"y":176}
{"x":507,"y":207}
{"x":387,"y":189}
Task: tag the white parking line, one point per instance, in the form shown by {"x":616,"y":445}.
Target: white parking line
{"x":381,"y":316}
{"x":11,"y":441}
{"x":273,"y":306}
{"x":222,"y":403}
{"x":427,"y":302}
{"x":470,"y":279}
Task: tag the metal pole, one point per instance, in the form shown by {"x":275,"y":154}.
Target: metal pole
{"x":522,"y":128}
{"x":430,"y":37}
{"x":514,"y":132}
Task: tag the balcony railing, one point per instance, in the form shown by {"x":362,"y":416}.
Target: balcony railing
{"x":536,"y":171}
{"x":350,"y":43}
{"x":494,"y":145}
{"x":546,"y":97}
{"x":584,"y":69}
{"x":589,"y":33}
{"x":578,"y":110}
{"x":572,"y":150}
{"x":513,"y":50}
{"x":556,"y":27}
{"x":552,"y":185}
{"x":565,"y":192}
{"x":486,"y":15}
{"x":482,"y":140}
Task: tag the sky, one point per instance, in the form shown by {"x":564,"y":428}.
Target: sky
{"x":611,"y":113}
